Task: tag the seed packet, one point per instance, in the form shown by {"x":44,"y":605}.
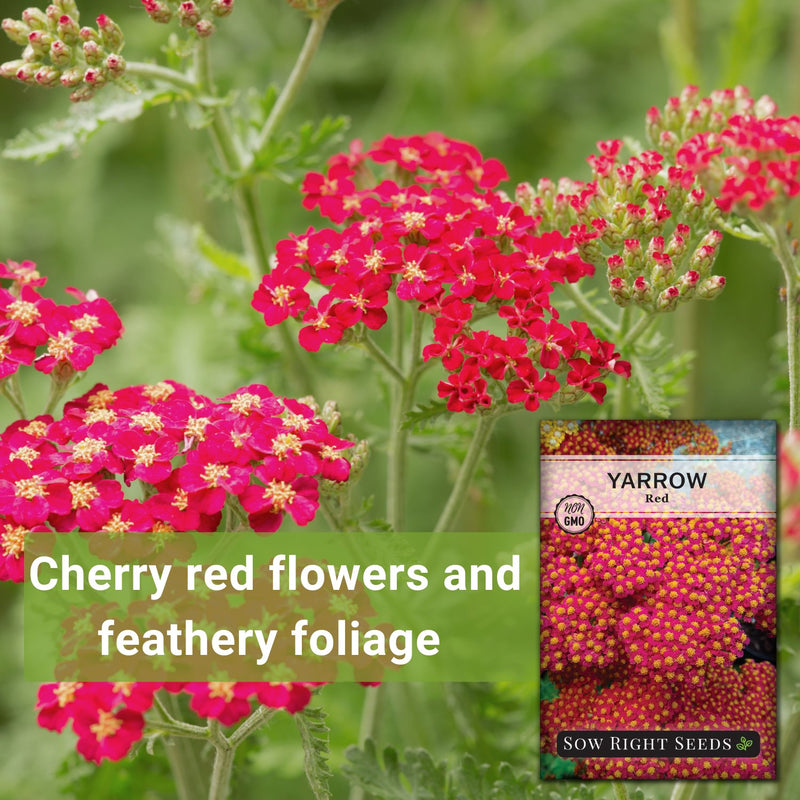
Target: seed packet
{"x":658,"y":600}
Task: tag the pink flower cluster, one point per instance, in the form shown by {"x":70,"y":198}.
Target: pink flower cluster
{"x":108,"y":718}
{"x":54,"y":338}
{"x":638,"y":218}
{"x":436,"y":234}
{"x":191,"y":455}
{"x":747,"y":155}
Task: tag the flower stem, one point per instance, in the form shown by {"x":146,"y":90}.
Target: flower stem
{"x":248,"y":215}
{"x":684,"y":790}
{"x":185,"y":767}
{"x":260,"y":717}
{"x":455,"y":502}
{"x":298,"y":74}
{"x":155,"y":72}
{"x":788,"y":261}
{"x":620,"y":790}
{"x":370,"y":718}
{"x":590,"y":310}
{"x":380,"y":356}
{"x":10,"y":389}
{"x":220,"y":786}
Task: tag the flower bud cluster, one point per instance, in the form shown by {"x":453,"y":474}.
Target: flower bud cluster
{"x":59,"y":51}
{"x":57,"y":339}
{"x":199,"y":15}
{"x":436,"y":234}
{"x":108,"y":718}
{"x":747,"y":157}
{"x":643,"y":619}
{"x":647,"y":224}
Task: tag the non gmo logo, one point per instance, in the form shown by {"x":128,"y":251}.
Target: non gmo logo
{"x":574,"y":513}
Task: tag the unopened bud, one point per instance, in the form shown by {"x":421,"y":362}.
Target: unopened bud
{"x":157,"y":10}
{"x":221,"y":8}
{"x":27,"y":71}
{"x":116,"y":65}
{"x":82,"y":93}
{"x":616,"y":265}
{"x":60,"y":53}
{"x":110,"y":33}
{"x":188,"y":14}
{"x":68,"y":29}
{"x":204,"y":28}
{"x":711,"y":287}
{"x":36,"y":19}
{"x":88,"y":34}
{"x":310,"y":401}
{"x":93,"y":53}
{"x":11,"y":68}
{"x":524,"y":195}
{"x":72,"y":77}
{"x":68,"y":7}
{"x":620,"y":291}
{"x":95,"y":77}
{"x":40,"y":42}
{"x":662,"y":272}
{"x":668,"y":299}
{"x":47,"y":76}
{"x":330,"y":415}
{"x":642,"y":292}
{"x":17,"y":31}
{"x":688,"y":283}
{"x":358,"y":459}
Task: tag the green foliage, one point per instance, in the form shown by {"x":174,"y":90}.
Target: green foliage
{"x":556,"y":767}
{"x":315,"y":734}
{"x":548,"y":690}
{"x":139,"y":775}
{"x":223,"y":260}
{"x":289,"y":155}
{"x":84,"y":120}
{"x":658,"y":381}
{"x":424,"y":414}
{"x":418,"y":777}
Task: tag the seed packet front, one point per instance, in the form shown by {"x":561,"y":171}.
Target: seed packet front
{"x":658,"y":600}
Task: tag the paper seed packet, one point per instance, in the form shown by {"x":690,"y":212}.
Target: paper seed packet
{"x":658,"y":600}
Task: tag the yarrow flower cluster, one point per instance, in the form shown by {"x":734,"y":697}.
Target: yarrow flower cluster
{"x":638,"y":219}
{"x":746,"y":155}
{"x":108,"y":718}
{"x":191,"y":456}
{"x":199,"y":15}
{"x":437,"y":234}
{"x":643,"y":620}
{"x":58,"y":339}
{"x":58,"y":50}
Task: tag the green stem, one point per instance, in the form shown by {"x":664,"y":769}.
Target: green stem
{"x":458,"y":494}
{"x":368,"y":343}
{"x":185,"y":767}
{"x":11,"y":390}
{"x":298,"y":74}
{"x":643,"y":324}
{"x":402,"y":400}
{"x":248,"y":215}
{"x":590,"y":311}
{"x":178,"y":730}
{"x":684,"y":790}
{"x":784,"y":252}
{"x":154,"y":72}
{"x":260,"y":717}
{"x":620,"y":790}
{"x":220,"y":786}
{"x":789,"y":752}
{"x":58,"y":389}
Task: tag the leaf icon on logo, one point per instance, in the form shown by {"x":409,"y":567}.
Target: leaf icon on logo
{"x":744,"y":743}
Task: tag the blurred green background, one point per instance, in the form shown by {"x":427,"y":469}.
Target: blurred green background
{"x":532,"y":82}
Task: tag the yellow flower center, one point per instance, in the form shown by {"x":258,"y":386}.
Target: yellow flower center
{"x":214,"y":473}
{"x":85,"y":450}
{"x":286,"y":443}
{"x":86,"y":324}
{"x":146,"y":454}
{"x":107,"y":725}
{"x":158,"y":391}
{"x":279,"y":494}
{"x":30,"y":488}
{"x":61,"y":347}
{"x":245,"y":402}
{"x":13,"y":541}
{"x":83,"y":493}
{"x":23,"y":311}
{"x":223,"y":689}
{"x":26,"y":454}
